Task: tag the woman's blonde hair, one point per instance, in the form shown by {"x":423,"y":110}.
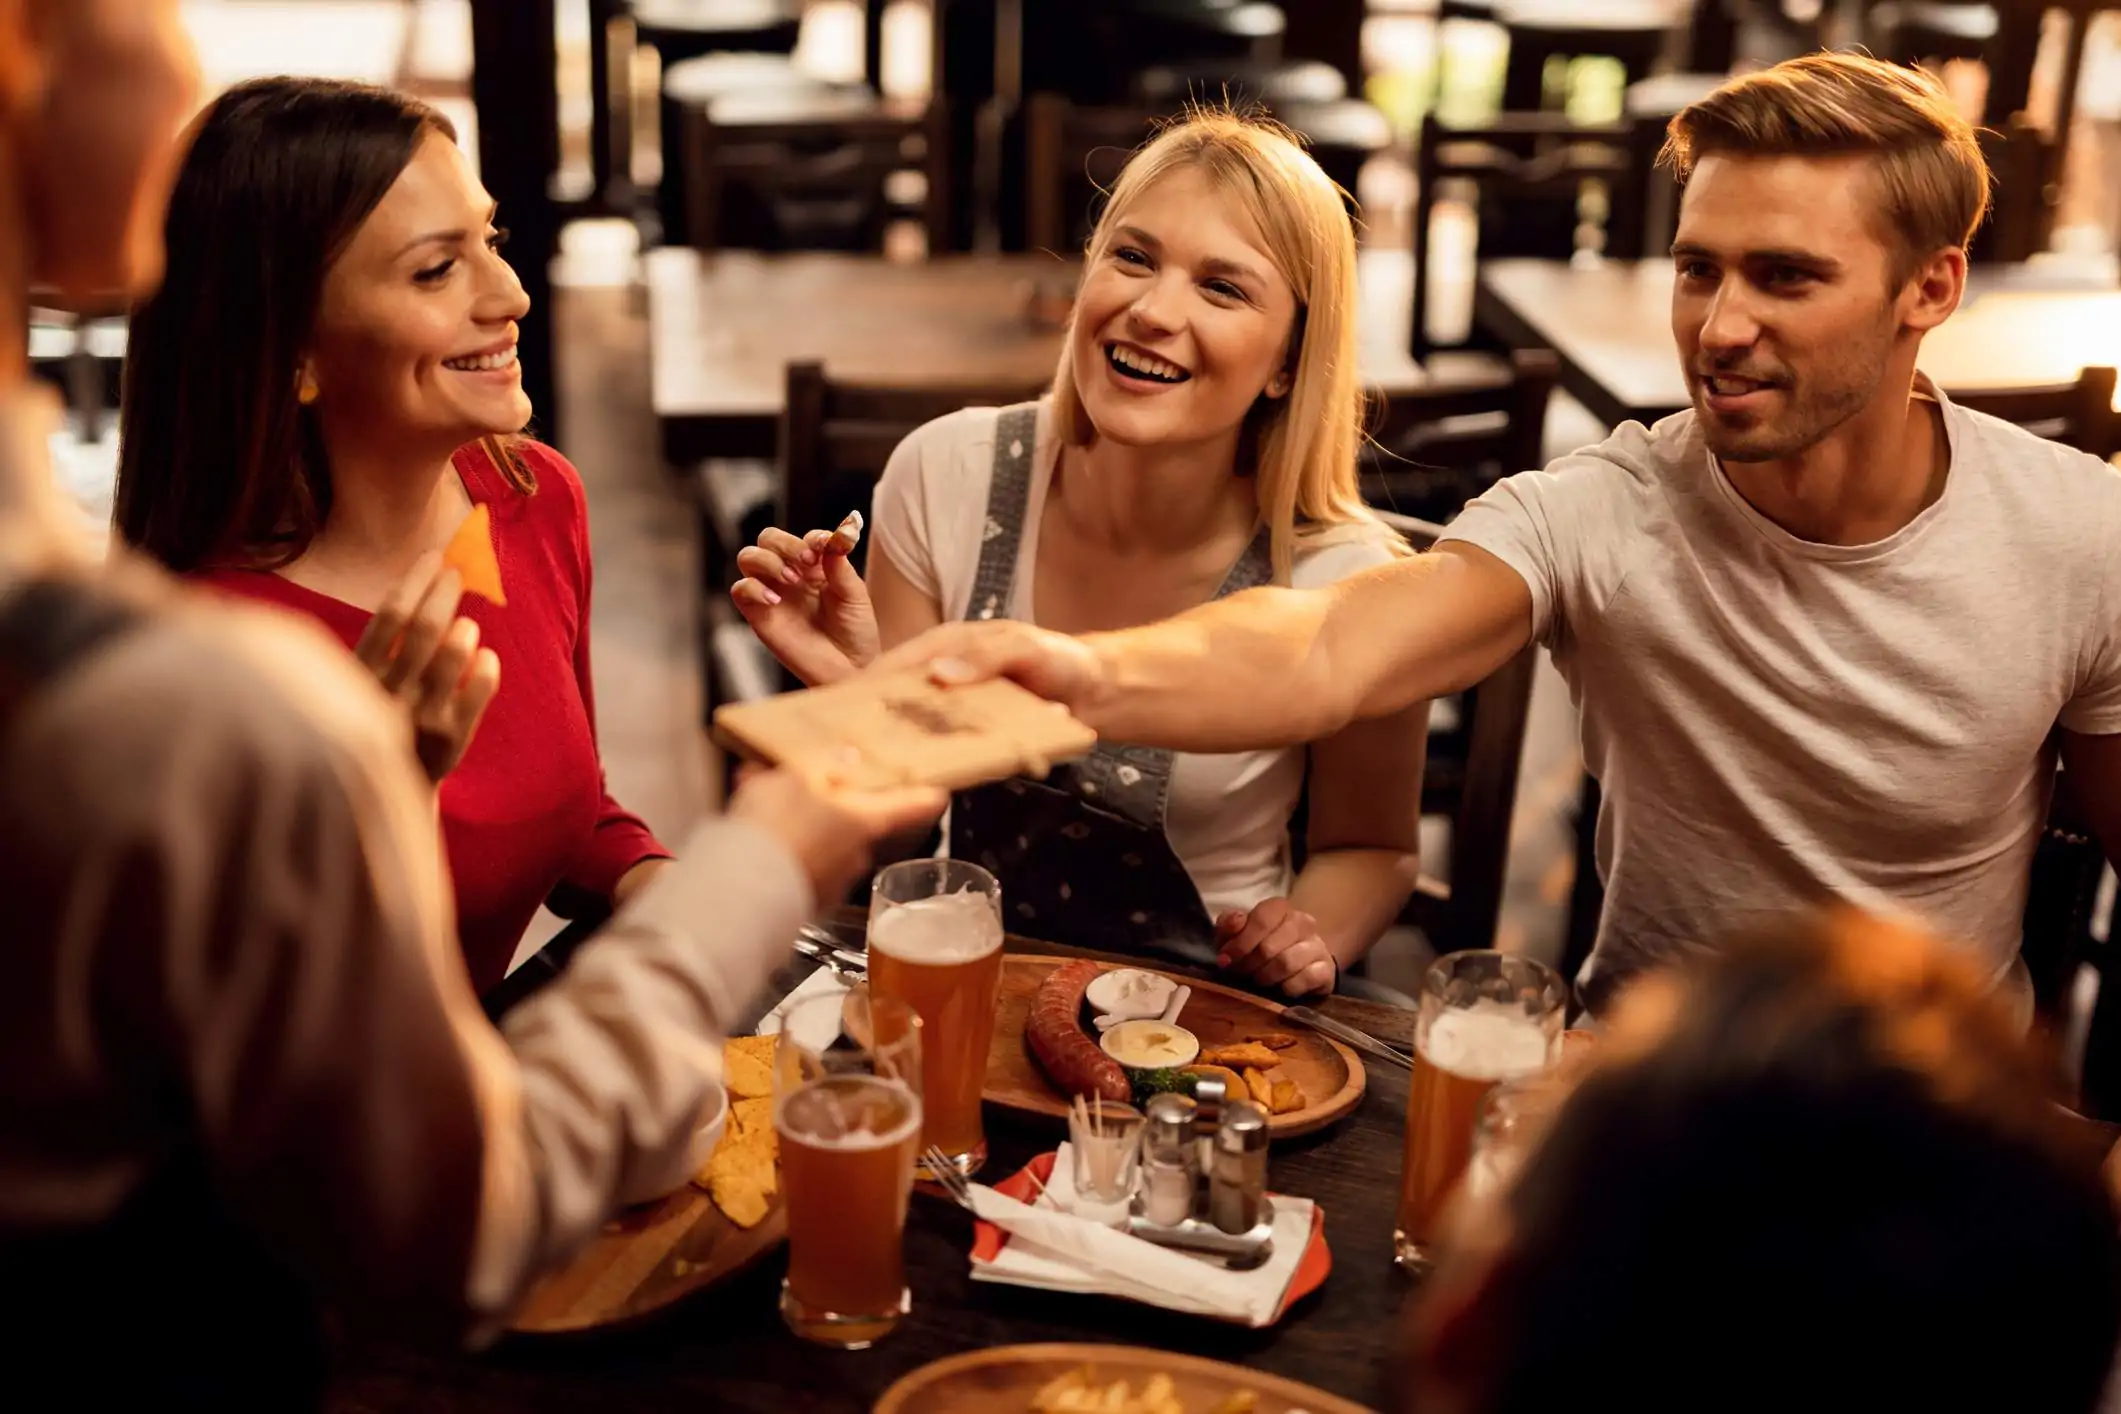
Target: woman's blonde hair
{"x":1304,"y":444}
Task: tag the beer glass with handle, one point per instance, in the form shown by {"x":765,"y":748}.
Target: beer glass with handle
{"x":935,"y":943}
{"x":1485,"y":1017}
{"x":847,"y":1109}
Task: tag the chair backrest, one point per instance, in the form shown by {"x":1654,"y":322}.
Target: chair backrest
{"x":796,"y":169}
{"x":1478,"y":793}
{"x":2079,"y":414}
{"x":1073,"y":153}
{"x":1528,"y":172}
{"x":836,"y":437}
{"x":1434,"y":448}
{"x":2021,"y":214}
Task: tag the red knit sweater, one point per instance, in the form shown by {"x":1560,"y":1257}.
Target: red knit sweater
{"x":526,"y":808}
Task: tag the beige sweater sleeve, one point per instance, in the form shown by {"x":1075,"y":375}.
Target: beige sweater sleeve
{"x":255,"y":944}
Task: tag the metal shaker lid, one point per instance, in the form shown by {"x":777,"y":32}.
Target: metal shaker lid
{"x":1170,"y":1119}
{"x":1243,"y":1129}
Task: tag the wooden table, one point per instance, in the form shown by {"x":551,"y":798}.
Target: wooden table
{"x":726,"y":1349}
{"x":2019,"y":326}
{"x":724,"y":326}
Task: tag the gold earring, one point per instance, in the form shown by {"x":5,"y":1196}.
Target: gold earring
{"x":305,"y":390}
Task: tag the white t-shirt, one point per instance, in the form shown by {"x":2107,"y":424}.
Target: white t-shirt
{"x":1778,"y":723}
{"x":1227,"y":817}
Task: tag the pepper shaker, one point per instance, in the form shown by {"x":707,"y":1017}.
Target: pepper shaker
{"x":1237,"y":1180}
{"x":1170,"y":1161}
{"x":1208,"y":1099}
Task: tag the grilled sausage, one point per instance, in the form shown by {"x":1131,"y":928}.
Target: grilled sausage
{"x":1058,"y":1041}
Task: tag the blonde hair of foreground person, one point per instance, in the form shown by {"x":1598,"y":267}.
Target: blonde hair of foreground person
{"x":1304,"y":445}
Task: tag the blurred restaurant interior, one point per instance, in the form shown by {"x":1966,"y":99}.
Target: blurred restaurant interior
{"x":728,"y":213}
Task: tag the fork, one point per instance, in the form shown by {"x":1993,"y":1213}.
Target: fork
{"x":946,"y":1176}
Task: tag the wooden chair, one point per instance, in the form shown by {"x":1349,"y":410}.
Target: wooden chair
{"x":1433,"y":450}
{"x":1472,"y":780}
{"x":1528,"y":172}
{"x":835,"y":441}
{"x":2022,"y":161}
{"x":795,"y":169}
{"x":2079,"y":414}
{"x":1073,"y":153}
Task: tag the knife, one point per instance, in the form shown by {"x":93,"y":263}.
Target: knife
{"x":845,"y":965}
{"x":1361,"y":1040}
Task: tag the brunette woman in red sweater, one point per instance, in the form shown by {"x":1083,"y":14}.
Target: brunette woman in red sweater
{"x":323,"y":390}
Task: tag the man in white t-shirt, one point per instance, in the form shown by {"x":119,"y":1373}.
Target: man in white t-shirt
{"x":1822,"y":629}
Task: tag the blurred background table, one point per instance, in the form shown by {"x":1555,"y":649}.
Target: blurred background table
{"x":1610,"y":324}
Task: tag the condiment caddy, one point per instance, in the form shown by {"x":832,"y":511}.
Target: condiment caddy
{"x":1203,"y":1185}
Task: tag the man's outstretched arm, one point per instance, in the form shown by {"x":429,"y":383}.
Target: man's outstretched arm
{"x":1267,"y":668}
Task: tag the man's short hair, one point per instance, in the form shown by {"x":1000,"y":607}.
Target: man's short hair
{"x":1833,"y":1180}
{"x":1932,"y":176}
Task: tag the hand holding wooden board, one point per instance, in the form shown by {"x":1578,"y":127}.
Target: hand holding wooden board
{"x":877,"y":731}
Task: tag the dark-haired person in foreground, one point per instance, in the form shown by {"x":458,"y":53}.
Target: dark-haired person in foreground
{"x":1824,"y":630}
{"x":1822,"y":1173}
{"x":243,"y":1077}
{"x":321,"y":392}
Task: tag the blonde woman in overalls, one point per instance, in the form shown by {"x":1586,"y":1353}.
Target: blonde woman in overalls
{"x":1200,"y":439}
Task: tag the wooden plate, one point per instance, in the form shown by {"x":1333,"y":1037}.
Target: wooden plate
{"x":1007,"y":1376}
{"x":1330,"y":1075}
{"x":646,"y":1258}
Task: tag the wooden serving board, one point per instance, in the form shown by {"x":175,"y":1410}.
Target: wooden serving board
{"x":1330,"y":1075}
{"x":901,"y":729}
{"x":646,"y":1258}
{"x":1006,"y":1377}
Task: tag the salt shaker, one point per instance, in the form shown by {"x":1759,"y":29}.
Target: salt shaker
{"x":1208,"y":1100}
{"x":1170,"y":1161}
{"x":1237,"y":1178}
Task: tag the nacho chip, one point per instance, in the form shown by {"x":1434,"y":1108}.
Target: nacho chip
{"x":1234,"y":1087}
{"x":739,"y":1199}
{"x":747,"y":1067}
{"x":747,"y":1115}
{"x":1239,"y":1057}
{"x":470,"y":554}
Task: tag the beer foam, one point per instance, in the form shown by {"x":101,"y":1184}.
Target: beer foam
{"x":1487,"y":1041}
{"x":944,"y":928}
{"x":842,"y":1114}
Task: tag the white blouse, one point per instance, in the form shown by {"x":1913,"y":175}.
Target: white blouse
{"x":1227,"y":817}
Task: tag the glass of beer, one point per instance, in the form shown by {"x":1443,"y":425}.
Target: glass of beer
{"x":935,"y":943}
{"x":847,"y":1108}
{"x":1486,"y":1017}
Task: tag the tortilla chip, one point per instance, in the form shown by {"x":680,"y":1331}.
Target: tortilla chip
{"x":739,"y":1199}
{"x":747,"y":1067}
{"x":1239,"y":1057}
{"x":1234,"y":1087}
{"x":747,"y":1115}
{"x":741,"y":1176}
{"x":470,"y":554}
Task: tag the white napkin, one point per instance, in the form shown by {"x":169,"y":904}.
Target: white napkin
{"x":821,"y":983}
{"x":1054,"y":1250}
